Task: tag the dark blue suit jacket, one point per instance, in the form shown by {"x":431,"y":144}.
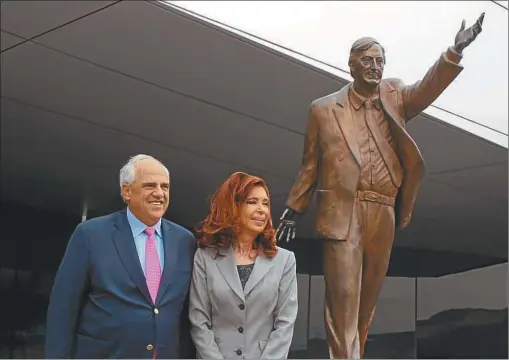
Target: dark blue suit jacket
{"x":100,"y":306}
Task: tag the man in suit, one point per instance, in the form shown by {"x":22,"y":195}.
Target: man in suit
{"x":124,"y":278}
{"x":366,"y":171}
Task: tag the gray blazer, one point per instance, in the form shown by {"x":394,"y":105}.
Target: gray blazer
{"x":230,"y":323}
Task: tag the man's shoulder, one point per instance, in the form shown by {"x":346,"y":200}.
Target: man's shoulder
{"x":325,"y":100}
{"x":97,"y":227}
{"x":179,"y":229}
{"x":330,"y":99}
{"x":100,"y":221}
{"x":394,"y":83}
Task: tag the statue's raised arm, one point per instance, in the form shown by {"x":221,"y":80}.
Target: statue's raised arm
{"x":417,"y":97}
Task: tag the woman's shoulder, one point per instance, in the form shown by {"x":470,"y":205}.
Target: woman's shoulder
{"x":208,"y":252}
{"x":284,"y":255}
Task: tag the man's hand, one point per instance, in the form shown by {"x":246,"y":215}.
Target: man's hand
{"x":287,"y":228}
{"x":464,"y":37}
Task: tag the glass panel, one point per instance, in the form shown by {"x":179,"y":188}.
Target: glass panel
{"x":28,"y":265}
{"x":463,"y":315}
{"x":392,"y":333}
{"x":300,"y":333}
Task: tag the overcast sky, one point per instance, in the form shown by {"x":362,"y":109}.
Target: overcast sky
{"x":414,"y":33}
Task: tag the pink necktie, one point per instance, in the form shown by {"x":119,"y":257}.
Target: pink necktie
{"x":152,"y":265}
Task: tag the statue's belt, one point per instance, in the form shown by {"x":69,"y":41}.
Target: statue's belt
{"x":374,"y":197}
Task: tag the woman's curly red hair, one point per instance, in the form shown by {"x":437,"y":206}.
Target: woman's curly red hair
{"x":220,"y":226}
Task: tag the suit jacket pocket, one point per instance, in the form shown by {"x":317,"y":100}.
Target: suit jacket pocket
{"x":98,"y":295}
{"x":90,"y":348}
{"x":326,"y":199}
{"x":333,"y":214}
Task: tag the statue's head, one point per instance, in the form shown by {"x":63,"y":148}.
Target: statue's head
{"x":366,"y":62}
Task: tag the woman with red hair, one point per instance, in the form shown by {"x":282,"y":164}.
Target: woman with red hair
{"x":243,"y":296}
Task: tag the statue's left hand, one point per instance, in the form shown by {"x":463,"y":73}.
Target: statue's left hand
{"x":464,"y":37}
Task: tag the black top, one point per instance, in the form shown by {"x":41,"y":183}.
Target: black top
{"x":244,"y":273}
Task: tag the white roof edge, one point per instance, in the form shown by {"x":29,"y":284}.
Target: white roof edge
{"x":455,"y":120}
{"x":469,"y":126}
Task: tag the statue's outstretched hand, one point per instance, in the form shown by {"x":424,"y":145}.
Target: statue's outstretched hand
{"x":287,"y":228}
{"x":464,"y":37}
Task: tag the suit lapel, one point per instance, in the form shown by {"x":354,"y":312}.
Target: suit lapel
{"x":408,"y":151}
{"x":228,"y":268}
{"x":124,"y":242}
{"x":171,"y":251}
{"x":261,"y":267}
{"x":344,"y":118}
{"x":388,"y":96}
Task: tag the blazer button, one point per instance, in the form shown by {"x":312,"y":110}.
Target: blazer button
{"x":156,"y":311}
{"x":239,"y":352}
{"x":242,"y":307}
{"x":150,"y":347}
{"x":241,"y":329}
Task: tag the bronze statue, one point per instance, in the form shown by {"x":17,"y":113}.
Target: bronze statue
{"x":366,"y":171}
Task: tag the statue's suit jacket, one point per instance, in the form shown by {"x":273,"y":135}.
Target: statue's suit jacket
{"x":331,"y":159}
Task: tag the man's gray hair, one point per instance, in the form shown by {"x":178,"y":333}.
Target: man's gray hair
{"x":128,"y":171}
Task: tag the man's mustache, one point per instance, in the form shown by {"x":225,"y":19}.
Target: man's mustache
{"x":377,"y":73}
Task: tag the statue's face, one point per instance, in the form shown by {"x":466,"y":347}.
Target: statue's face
{"x":368,"y":67}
